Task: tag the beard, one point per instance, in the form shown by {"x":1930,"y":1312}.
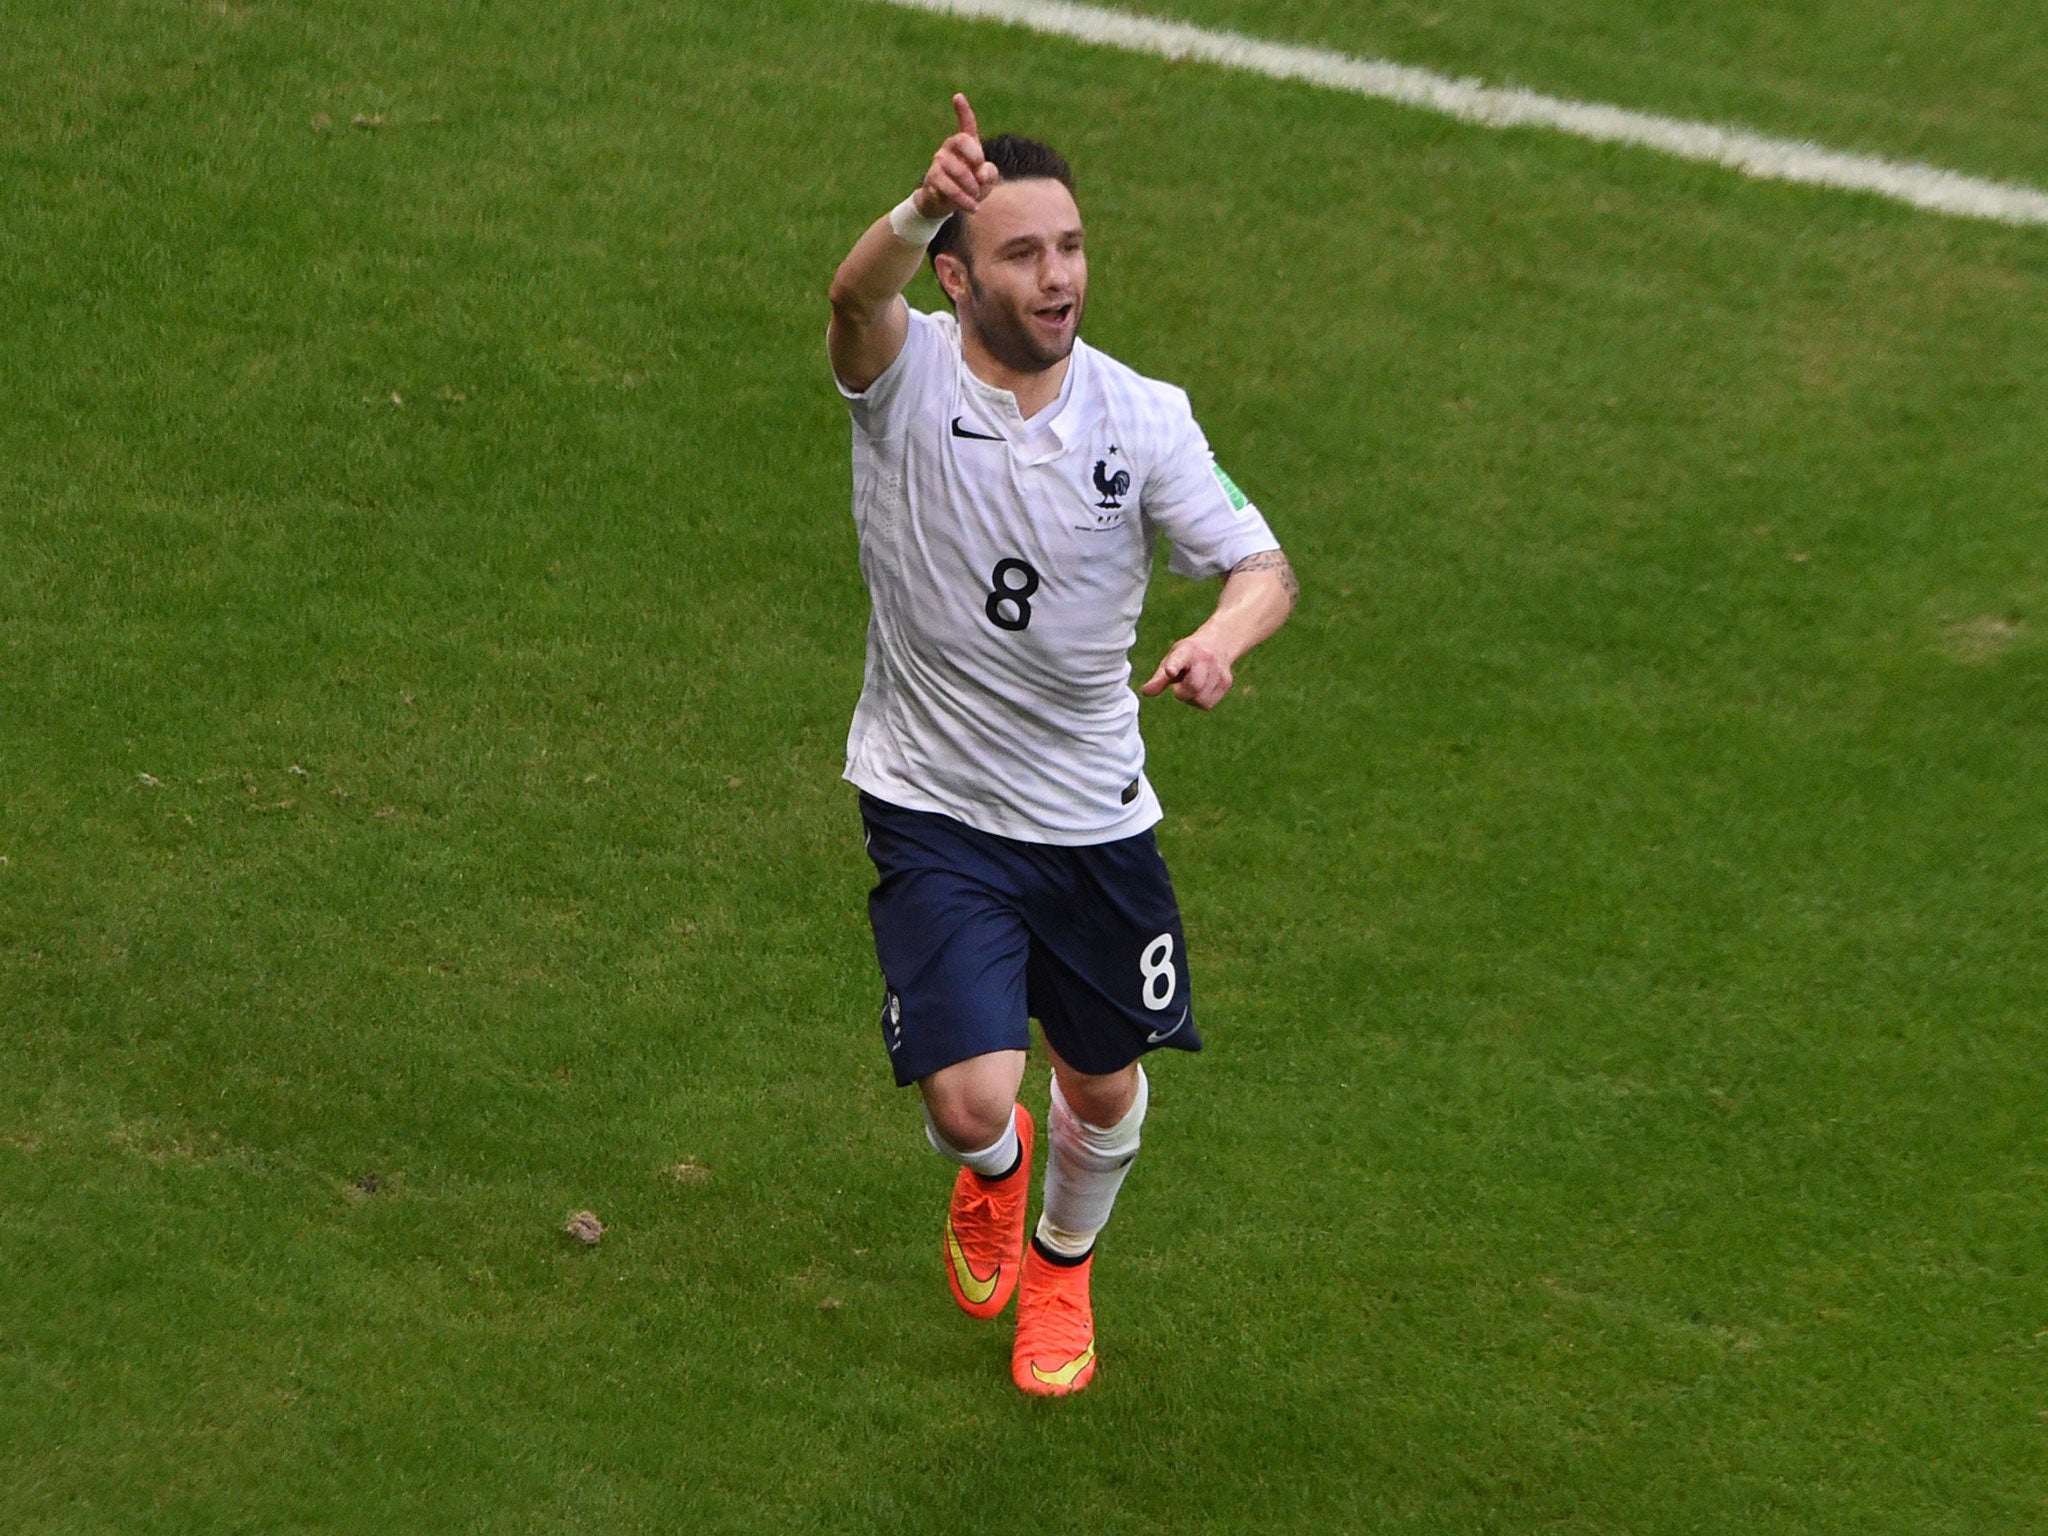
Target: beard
{"x":1007,"y":334}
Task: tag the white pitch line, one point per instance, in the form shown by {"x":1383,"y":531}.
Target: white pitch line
{"x":1753,"y":154}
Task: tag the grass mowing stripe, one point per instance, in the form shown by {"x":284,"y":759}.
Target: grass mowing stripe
{"x":1752,"y":154}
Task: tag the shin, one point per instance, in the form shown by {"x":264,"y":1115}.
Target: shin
{"x":1085,"y":1171}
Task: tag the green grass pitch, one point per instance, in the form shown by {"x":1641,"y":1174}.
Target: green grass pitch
{"x":428,"y":624}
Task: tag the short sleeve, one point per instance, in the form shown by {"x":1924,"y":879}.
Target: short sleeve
{"x":1205,"y":517}
{"x":881,"y":408}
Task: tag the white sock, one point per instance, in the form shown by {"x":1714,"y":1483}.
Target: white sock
{"x":1084,"y":1171}
{"x":992,"y":1161}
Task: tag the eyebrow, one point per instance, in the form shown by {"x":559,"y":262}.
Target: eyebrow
{"x":1016,"y":242}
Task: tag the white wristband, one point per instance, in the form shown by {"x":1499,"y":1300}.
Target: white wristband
{"x":912,"y":227}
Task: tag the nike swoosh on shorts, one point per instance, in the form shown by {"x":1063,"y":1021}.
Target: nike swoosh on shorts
{"x":1158,"y":1035}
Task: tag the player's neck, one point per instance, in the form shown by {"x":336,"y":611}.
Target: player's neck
{"x":1033,"y":391}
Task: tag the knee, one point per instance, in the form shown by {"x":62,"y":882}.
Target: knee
{"x":968,"y":1122}
{"x":967,"y":1106}
{"x":1103,"y":1101}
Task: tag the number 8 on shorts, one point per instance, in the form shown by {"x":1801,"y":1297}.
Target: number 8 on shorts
{"x":1156,"y":965}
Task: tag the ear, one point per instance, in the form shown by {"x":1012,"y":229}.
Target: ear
{"x":951,"y":272}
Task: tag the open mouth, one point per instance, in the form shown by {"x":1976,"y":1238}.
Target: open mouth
{"x":1055,"y":314}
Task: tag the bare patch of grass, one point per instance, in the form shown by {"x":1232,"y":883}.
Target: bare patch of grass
{"x":367,"y":1186}
{"x":163,"y":1144}
{"x":1984,"y":638}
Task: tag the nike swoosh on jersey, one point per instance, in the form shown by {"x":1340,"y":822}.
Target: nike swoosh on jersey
{"x":972,"y":1286}
{"x":1064,"y":1376}
{"x":1158,"y":1035}
{"x":979,"y":437}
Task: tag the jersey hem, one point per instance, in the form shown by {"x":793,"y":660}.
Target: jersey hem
{"x":1145,"y":813}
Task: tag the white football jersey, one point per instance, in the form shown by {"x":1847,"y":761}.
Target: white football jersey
{"x":1006,"y":564}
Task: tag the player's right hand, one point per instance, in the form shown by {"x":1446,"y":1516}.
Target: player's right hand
{"x":960,"y":173}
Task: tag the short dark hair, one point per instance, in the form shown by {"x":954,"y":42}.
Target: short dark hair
{"x":1018,"y":159}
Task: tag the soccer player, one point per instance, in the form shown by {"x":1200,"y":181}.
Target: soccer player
{"x":1009,"y":482}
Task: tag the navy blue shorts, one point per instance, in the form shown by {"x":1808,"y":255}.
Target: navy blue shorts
{"x":977,"y":934}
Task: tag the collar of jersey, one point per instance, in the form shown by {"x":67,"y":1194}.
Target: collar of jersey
{"x":1001,"y":405}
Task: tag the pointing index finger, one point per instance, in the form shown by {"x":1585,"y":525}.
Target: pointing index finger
{"x":966,"y":116}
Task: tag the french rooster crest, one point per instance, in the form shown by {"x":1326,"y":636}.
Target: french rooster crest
{"x":1111,"y":486}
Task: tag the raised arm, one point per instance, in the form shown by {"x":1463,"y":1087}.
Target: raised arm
{"x":1258,"y":595}
{"x":869,"y":317}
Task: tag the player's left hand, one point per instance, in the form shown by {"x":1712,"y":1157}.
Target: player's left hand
{"x":1198,"y":675}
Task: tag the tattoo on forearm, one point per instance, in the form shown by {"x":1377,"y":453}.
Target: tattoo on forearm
{"x":1271,"y":560}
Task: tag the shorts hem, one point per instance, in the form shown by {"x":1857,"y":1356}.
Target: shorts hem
{"x":914,"y":1068}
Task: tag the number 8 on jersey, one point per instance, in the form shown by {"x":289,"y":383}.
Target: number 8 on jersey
{"x":1009,"y":607}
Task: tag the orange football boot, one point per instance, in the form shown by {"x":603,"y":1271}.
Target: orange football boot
{"x":985,"y":1232}
{"x":1055,"y":1349}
